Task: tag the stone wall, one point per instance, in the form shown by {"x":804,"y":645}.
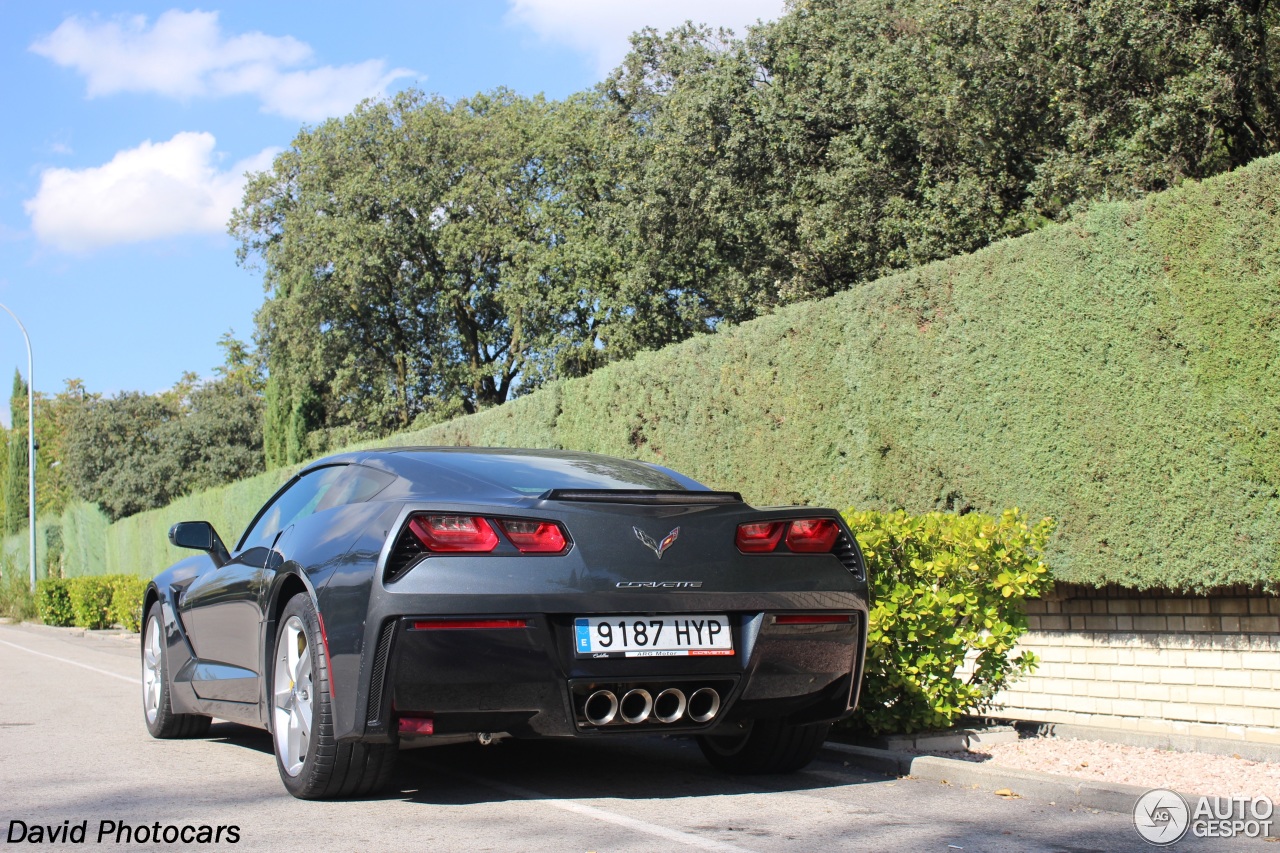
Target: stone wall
{"x":1154,"y":662}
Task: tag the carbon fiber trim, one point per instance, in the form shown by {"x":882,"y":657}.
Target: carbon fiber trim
{"x":379,"y":675}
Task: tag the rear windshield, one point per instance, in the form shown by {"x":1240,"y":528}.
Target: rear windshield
{"x":533,"y":474}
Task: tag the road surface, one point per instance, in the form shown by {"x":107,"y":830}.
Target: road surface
{"x":74,"y":753}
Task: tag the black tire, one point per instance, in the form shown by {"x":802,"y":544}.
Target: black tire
{"x":329,"y":769}
{"x":767,"y":746}
{"x":157,"y":709}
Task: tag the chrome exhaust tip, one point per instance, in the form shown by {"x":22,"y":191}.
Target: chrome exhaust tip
{"x":600,"y":708}
{"x":636,"y":706}
{"x":669,"y":706}
{"x":703,"y":704}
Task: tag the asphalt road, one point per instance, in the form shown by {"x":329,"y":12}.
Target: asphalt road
{"x":73,"y":748}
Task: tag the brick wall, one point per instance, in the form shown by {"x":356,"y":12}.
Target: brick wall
{"x":1153,"y":662}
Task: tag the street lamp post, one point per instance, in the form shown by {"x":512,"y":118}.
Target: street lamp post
{"x":31,"y":448}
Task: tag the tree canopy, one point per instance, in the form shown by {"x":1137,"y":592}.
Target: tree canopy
{"x":136,"y":451}
{"x":423,"y":259}
{"x":417,"y":261}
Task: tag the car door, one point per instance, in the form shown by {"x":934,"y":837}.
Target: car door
{"x":224,"y":608}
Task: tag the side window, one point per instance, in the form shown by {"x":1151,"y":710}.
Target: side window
{"x":357,"y":485}
{"x":301,"y":500}
{"x":317,"y":491}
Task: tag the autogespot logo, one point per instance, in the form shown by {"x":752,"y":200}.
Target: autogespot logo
{"x":1161,"y":816}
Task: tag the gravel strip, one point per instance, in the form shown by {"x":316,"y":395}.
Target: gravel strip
{"x":1186,"y":772}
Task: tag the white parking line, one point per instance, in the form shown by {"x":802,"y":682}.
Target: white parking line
{"x":657,"y":830}
{"x":72,"y":662}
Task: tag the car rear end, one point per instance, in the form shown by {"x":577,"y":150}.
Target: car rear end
{"x":600,"y":612}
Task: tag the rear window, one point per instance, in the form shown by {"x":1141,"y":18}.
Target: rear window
{"x":531,"y":474}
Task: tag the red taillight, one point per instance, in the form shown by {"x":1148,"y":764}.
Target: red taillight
{"x":454,"y":533}
{"x":812,"y":619}
{"x":812,"y":535}
{"x":759,"y":537}
{"x":534,"y":537}
{"x":804,"y":536}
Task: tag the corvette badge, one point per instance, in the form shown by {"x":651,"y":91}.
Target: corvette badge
{"x":658,"y":548}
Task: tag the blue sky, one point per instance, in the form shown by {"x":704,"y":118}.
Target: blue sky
{"x":129,"y":128}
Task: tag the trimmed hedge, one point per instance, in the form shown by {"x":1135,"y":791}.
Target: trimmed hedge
{"x":139,"y":545}
{"x":1119,"y":373}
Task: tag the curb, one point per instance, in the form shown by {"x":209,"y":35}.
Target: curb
{"x":1058,"y":790}
{"x":72,"y":631}
{"x":68,"y":630}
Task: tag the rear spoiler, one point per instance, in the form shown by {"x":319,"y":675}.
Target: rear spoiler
{"x":642,"y":496}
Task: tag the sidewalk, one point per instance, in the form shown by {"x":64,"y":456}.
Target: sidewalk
{"x":902,"y":756}
{"x":1048,"y":787}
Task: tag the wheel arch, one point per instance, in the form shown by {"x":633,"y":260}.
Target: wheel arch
{"x":290,"y":582}
{"x":150,"y":597}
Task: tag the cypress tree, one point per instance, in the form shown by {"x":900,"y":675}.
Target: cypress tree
{"x":15,"y":479}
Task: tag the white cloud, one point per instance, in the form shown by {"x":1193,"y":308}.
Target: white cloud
{"x":602,"y":27}
{"x":159,"y":189}
{"x":186,"y":54}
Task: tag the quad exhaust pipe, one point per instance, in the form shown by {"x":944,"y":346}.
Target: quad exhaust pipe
{"x":600,"y":708}
{"x":638,"y":705}
{"x":670,"y":705}
{"x":703,"y":704}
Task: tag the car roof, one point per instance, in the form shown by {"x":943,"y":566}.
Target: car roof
{"x":515,"y":471}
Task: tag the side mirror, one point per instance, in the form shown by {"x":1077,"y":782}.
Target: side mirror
{"x":200,"y":536}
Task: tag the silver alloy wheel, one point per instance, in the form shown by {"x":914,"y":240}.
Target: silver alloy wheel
{"x":294,"y":693}
{"x":151,"y":670}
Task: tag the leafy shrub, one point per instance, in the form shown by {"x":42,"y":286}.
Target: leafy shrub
{"x":947,"y":596}
{"x":126,"y":601}
{"x":16,"y":599}
{"x":53,"y":601}
{"x":90,"y":601}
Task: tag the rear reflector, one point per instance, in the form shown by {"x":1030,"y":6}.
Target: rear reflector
{"x":759,"y":537}
{"x":417,"y":726}
{"x":464,"y":624}
{"x":812,"y":535}
{"x":812,"y":619}
{"x":454,"y":533}
{"x":534,"y":537}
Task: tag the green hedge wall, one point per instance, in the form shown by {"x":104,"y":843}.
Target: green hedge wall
{"x":139,"y":544}
{"x":1119,"y":373}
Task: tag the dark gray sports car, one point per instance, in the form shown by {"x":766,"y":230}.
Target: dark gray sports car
{"x":429,"y":595}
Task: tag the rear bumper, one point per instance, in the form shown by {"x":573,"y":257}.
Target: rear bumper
{"x":527,"y":681}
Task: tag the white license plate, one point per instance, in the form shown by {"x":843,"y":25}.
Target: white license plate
{"x":651,"y":636}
